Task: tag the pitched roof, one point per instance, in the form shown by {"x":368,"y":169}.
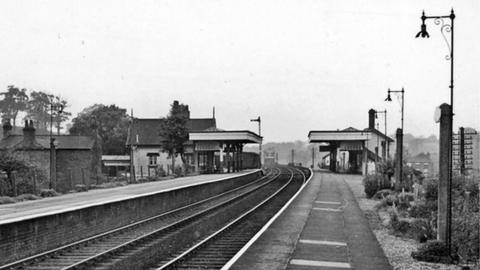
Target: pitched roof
{"x":63,"y":142}
{"x":146,"y":131}
{"x":376,"y":131}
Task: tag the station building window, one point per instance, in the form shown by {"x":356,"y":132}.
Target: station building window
{"x":152,"y":159}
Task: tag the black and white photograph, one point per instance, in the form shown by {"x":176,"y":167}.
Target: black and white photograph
{"x":240,"y":134}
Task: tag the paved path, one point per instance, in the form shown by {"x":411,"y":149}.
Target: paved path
{"x":29,"y":209}
{"x":322,"y":229}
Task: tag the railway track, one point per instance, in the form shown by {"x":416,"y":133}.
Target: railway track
{"x":169,"y":240}
{"x":78,"y":254}
{"x":216,"y":250}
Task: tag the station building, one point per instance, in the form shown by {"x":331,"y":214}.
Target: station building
{"x":353,"y":150}
{"x":208,"y":150}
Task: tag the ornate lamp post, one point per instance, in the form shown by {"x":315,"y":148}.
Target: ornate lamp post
{"x":58,"y":109}
{"x":399,"y":138}
{"x":445,"y":28}
{"x":259,"y":120}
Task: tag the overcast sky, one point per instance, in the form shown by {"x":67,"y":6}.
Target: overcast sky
{"x":300,"y":65}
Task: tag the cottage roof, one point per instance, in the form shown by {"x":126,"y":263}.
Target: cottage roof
{"x":146,"y":131}
{"x":62,"y":142}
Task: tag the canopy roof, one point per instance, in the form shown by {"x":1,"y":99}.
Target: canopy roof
{"x":349,"y":134}
{"x":240,"y":136}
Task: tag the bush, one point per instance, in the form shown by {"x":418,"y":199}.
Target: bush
{"x":81,"y":188}
{"x":373,"y":183}
{"x":382,"y":194}
{"x":421,"y":230}
{"x":423,"y":210}
{"x":433,"y":251}
{"x":7,"y":200}
{"x":48,"y":193}
{"x":178,"y":171}
{"x":398,"y":225}
{"x":28,"y":197}
{"x":431,"y":189}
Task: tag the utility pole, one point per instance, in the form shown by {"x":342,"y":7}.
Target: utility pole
{"x":293,"y":156}
{"x":313,"y":158}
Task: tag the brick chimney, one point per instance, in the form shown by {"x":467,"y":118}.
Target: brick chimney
{"x":29,"y":141}
{"x":7,"y":128}
{"x":371,"y":119}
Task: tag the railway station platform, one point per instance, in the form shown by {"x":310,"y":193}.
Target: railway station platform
{"x":322,"y":228}
{"x":10,"y":213}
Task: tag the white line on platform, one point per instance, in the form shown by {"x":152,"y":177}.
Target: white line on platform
{"x":320,"y":263}
{"x":327,"y":209}
{"x":322,"y":242}
{"x":325,"y":202}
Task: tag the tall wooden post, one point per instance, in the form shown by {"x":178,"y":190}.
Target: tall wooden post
{"x":445,"y":182}
{"x":462,"y":151}
{"x":399,"y":160}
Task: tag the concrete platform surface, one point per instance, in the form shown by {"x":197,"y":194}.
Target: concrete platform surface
{"x":48,"y":206}
{"x":323,"y":228}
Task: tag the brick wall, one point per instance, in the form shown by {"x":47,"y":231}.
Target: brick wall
{"x":22,"y":239}
{"x":75,"y":167}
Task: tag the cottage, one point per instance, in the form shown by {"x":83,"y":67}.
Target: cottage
{"x":75,"y":159}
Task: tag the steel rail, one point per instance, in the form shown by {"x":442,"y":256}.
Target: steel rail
{"x":53,"y":252}
{"x":145,"y":237}
{"x":244,"y":216}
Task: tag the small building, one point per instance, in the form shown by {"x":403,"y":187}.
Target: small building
{"x":77,"y":158}
{"x":352,"y":150}
{"x":145,"y":145}
{"x":208,"y":149}
{"x":270,"y":158}
{"x":421,"y":162}
{"x":115,"y":165}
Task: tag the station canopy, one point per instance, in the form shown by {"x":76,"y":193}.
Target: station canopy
{"x":225,"y":136}
{"x":326,"y":136}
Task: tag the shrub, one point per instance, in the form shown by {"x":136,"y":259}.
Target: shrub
{"x":48,"y":193}
{"x":81,"y":188}
{"x":431,"y":189}
{"x":178,"y":171}
{"x":7,"y":200}
{"x":161,"y":172}
{"x":391,"y":200}
{"x":398,"y":225}
{"x":433,"y":251}
{"x":373,"y":183}
{"x":423,"y":210}
{"x":421,"y":230}
{"x":382,"y":194}
{"x":28,"y":197}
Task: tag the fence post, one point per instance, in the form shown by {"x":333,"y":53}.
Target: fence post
{"x":34,"y":182}
{"x":14,"y":182}
{"x":141,"y":171}
{"x":70,"y":178}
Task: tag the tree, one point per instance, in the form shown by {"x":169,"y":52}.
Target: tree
{"x":60,"y":116}
{"x":38,"y":108}
{"x":174,"y":132}
{"x":109,"y":123}
{"x":9,"y":164}
{"x":14,"y":101}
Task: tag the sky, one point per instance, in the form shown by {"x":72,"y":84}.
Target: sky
{"x":300,"y":65}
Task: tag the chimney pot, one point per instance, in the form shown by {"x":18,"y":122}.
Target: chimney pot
{"x":371,"y":119}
